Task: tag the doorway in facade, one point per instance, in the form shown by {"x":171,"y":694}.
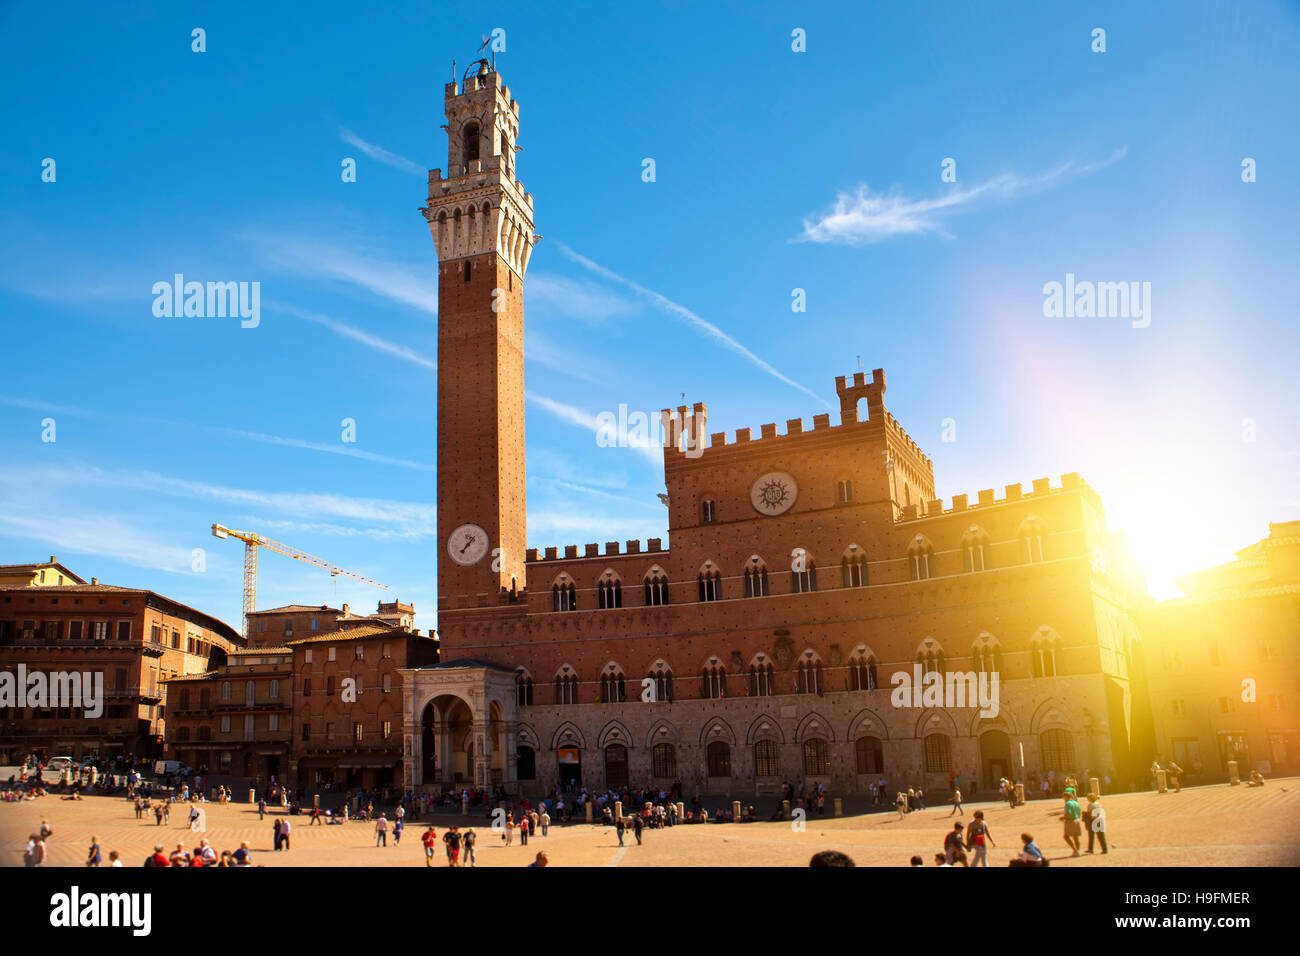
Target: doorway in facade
{"x":616,"y":767}
{"x":570,"y":766}
{"x":995,"y":756}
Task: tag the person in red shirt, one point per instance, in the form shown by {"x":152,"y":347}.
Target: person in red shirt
{"x":159,"y":858}
{"x":430,"y":840}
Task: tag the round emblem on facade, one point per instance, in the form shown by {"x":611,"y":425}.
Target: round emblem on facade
{"x":467,"y":544}
{"x":773,"y":493}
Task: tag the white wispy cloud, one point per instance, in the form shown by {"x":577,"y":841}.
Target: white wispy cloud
{"x":417,"y":517}
{"x":349,"y":451}
{"x":864,"y":216}
{"x":571,"y":299}
{"x":402,"y":282}
{"x":99,"y":534}
{"x":367,"y":339}
{"x":379,"y":154}
{"x":691,"y":318}
{"x":575,"y":416}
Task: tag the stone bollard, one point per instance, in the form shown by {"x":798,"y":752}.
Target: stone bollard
{"x":587,"y":806}
{"x":1020,"y":794}
{"x":315,"y":801}
{"x":1094,"y":786}
{"x":464,"y":804}
{"x":252,"y":796}
{"x":681,"y":813}
{"x":839,"y":806}
{"x":1162,"y":781}
{"x":1234,"y":774}
{"x":785,"y":809}
{"x":618,"y":810}
{"x":735,"y":811}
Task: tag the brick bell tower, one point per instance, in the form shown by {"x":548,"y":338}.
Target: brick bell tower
{"x":481,"y":220}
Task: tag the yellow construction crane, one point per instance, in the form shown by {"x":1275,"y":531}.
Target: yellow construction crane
{"x":254,"y":541}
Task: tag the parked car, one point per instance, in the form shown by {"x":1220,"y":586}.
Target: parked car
{"x":60,"y":764}
{"x":162,"y":768}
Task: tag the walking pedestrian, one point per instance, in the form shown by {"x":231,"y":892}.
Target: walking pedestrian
{"x":381,"y":831}
{"x":452,"y":839}
{"x":275,"y":830}
{"x":952,"y":843}
{"x":94,"y":859}
{"x":1073,"y":828}
{"x":261,"y":808}
{"x":1094,"y":818}
{"x":546,"y":822}
{"x":429,"y":838}
{"x":467,"y":842}
{"x":397,"y":832}
{"x":637,"y":826}
{"x":977,"y":835}
{"x":620,"y":828}
{"x":955,"y":800}
{"x":523,"y":830}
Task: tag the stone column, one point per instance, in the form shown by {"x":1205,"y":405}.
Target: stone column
{"x":785,"y":809}
{"x":412,"y":764}
{"x":482,"y":753}
{"x":1234,"y":773}
{"x":735,"y":811}
{"x":587,"y":806}
{"x":618,"y":810}
{"x":1162,"y":781}
{"x":1094,"y":786}
{"x":1020,"y":794}
{"x":444,"y":759}
{"x":510,"y":756}
{"x":839,"y":806}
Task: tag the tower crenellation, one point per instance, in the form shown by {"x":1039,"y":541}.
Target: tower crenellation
{"x":479,"y":206}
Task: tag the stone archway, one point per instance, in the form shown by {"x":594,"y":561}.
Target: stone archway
{"x":446,"y":743}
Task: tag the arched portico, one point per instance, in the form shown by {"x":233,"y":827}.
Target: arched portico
{"x":461,"y":726}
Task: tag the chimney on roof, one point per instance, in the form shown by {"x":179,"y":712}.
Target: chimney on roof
{"x":94,"y":580}
{"x":345,"y":610}
{"x":54,"y":559}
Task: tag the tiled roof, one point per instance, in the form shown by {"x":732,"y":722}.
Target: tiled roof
{"x":243,"y":651}
{"x":349,"y":634}
{"x":291,"y":608}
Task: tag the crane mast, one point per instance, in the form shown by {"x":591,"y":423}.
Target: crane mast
{"x":253,"y":541}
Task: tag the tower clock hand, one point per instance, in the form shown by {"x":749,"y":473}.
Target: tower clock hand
{"x":469,"y":539}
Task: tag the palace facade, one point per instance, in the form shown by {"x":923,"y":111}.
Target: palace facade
{"x":806,"y":567}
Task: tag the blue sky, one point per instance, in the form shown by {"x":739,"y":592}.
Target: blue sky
{"x":775,"y":170}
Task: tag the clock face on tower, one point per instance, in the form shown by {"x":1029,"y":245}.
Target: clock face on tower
{"x":467,"y":544}
{"x":773,"y":493}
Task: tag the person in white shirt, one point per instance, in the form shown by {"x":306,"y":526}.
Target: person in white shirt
{"x":284,"y":832}
{"x":381,"y":831}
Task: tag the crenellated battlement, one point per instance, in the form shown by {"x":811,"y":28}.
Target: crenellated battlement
{"x":987,"y":498}
{"x":900,"y":435}
{"x":613,"y":549}
{"x":691,"y":424}
{"x":685,"y":429}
